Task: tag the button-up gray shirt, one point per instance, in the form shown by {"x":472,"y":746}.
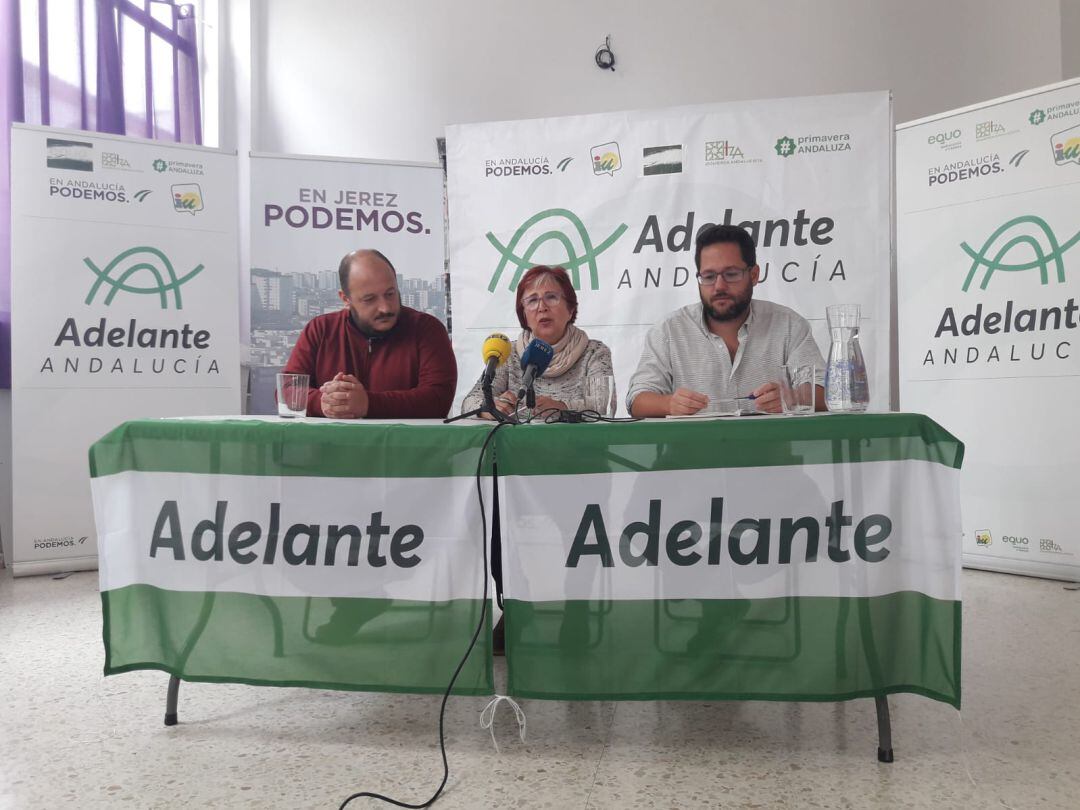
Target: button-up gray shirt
{"x":681,"y":352}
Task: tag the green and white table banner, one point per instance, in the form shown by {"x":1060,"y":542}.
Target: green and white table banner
{"x":782,"y":559}
{"x":322,"y":554}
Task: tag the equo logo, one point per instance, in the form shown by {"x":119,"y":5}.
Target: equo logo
{"x":942,"y":138}
{"x":541,"y":232}
{"x":1013,"y":540}
{"x":1026,"y":235}
{"x":144,"y":263}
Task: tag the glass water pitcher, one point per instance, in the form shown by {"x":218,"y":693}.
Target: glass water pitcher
{"x":846,"y":389}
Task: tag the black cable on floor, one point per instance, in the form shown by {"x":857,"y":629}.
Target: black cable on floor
{"x":464,"y":658}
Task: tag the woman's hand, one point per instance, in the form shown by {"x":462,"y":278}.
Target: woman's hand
{"x":547,"y":403}
{"x":506,"y":402}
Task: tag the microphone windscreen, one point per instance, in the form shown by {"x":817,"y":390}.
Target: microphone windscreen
{"x":496,"y":345}
{"x":539,"y":354}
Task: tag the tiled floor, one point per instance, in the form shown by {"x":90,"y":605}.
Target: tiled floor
{"x":69,"y":737}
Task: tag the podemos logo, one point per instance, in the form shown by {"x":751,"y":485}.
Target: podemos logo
{"x":549,"y":226}
{"x":523,"y":166}
{"x":970,"y":169}
{"x":147,"y":264}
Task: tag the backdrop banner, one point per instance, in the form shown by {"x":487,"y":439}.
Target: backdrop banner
{"x":124,"y":292}
{"x":618,"y":198}
{"x":308,"y":212}
{"x":988,"y":222}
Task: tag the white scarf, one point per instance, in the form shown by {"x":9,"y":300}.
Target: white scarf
{"x":567,"y":351}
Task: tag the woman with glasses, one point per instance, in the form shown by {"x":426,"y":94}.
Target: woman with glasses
{"x":546,"y":309}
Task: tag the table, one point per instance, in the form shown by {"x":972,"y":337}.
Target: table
{"x":800,"y":558}
{"x":292,"y":553}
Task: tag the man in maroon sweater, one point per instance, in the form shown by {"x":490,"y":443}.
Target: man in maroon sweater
{"x":375,"y":358}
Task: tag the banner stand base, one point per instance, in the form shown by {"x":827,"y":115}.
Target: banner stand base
{"x":1020,"y":568}
{"x":41,"y":567}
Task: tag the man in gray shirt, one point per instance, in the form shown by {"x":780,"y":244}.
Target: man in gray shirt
{"x":724,"y":346}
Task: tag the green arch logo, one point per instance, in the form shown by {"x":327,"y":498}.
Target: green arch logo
{"x":1047,"y":251}
{"x":151,"y":264}
{"x":534,"y":226}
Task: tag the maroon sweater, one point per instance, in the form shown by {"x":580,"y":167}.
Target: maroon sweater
{"x":409,"y":372}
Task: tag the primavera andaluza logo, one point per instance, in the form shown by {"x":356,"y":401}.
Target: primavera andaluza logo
{"x":144,"y":264}
{"x":785,"y":147}
{"x":549,"y":226}
{"x":1019,"y":239}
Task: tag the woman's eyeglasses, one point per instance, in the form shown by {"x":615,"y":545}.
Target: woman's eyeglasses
{"x":550,"y":300}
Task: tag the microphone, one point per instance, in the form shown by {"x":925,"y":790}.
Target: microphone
{"x":496,"y":351}
{"x":534,"y":362}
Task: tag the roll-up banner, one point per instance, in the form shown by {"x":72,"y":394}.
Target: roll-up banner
{"x":306,"y":214}
{"x":988,"y":273}
{"x":618,"y":198}
{"x":124,"y":305}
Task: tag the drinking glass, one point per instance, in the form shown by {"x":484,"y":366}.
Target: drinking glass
{"x":797,"y":389}
{"x":600,"y":395}
{"x":292,"y":394}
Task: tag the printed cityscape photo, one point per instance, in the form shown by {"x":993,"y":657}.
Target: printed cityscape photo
{"x":282,"y":303}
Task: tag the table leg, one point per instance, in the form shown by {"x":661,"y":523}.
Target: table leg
{"x":170,"y":701}
{"x":884,"y":729}
{"x":189,"y":645}
{"x":275,"y":619}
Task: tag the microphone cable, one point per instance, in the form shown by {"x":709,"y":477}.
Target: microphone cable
{"x":552,"y":416}
{"x":464,"y":658}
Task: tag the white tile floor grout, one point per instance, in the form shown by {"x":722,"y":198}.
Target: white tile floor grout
{"x":70,"y":737}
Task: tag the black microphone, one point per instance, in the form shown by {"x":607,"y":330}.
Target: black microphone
{"x":534,"y":362}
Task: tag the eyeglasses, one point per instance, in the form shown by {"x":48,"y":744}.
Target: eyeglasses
{"x":550,"y":300}
{"x":730,"y":276}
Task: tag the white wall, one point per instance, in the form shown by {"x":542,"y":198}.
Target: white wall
{"x":5,"y":476}
{"x":1070,"y":34}
{"x":377,"y":79}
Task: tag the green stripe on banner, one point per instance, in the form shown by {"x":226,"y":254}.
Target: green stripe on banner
{"x":789,"y":648}
{"x":289,"y":448}
{"x":733,"y":442}
{"x":376,"y":645}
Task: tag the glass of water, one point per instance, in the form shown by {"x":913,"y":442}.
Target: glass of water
{"x":797,"y":389}
{"x":292,"y":394}
{"x":600,"y":394}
